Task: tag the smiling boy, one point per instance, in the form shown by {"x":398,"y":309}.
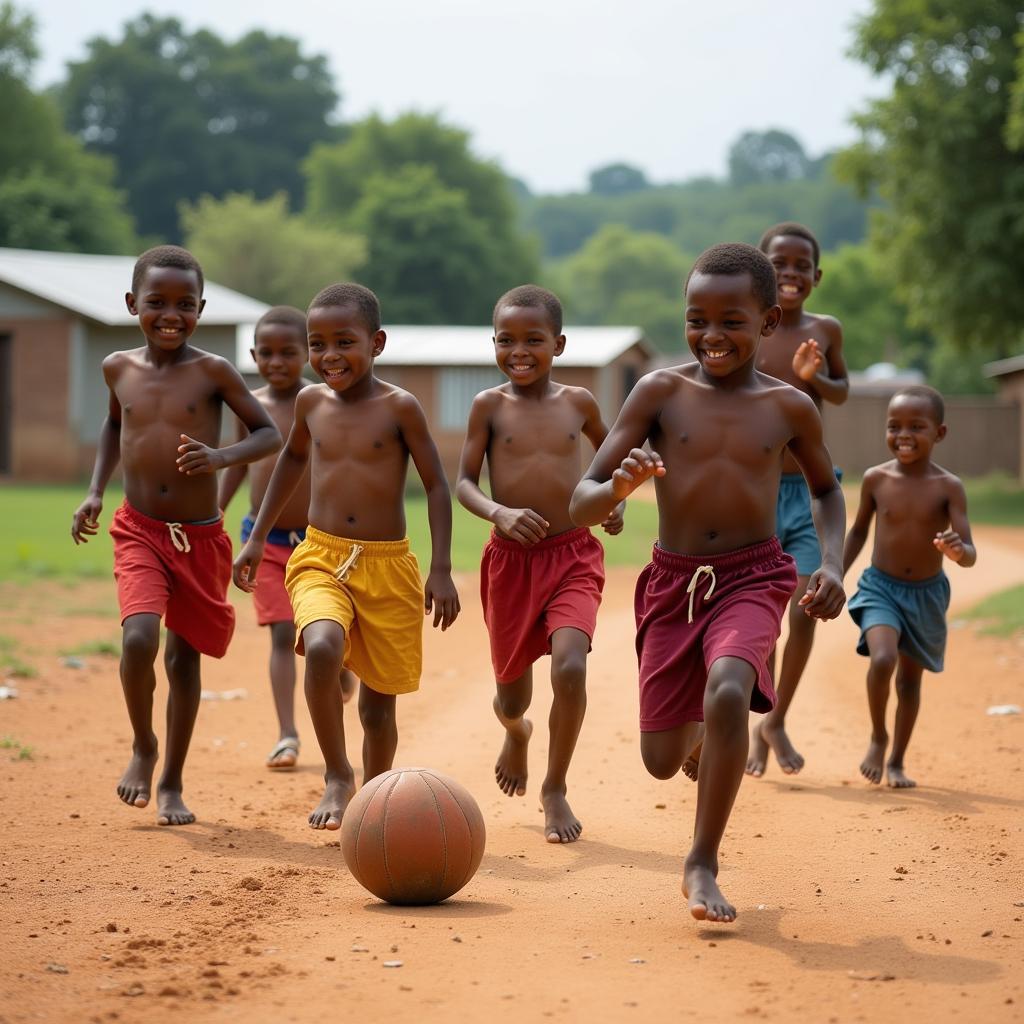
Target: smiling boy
{"x":710,"y":604}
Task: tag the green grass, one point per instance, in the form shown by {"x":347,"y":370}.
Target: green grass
{"x":1001,"y":614}
{"x":996,"y":500}
{"x":22,"y":752}
{"x":10,"y":663}
{"x":106,"y":648}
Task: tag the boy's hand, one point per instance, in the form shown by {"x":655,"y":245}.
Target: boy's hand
{"x":441,"y":597}
{"x":824,"y":597}
{"x":84,"y":523}
{"x":195,"y":457}
{"x":521,"y":524}
{"x":614,"y":523}
{"x":808,"y":360}
{"x":950,"y":544}
{"x":243,"y":572}
{"x":636,"y":467}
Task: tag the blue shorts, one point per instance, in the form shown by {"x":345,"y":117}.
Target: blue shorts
{"x":283,"y":538}
{"x":794,"y":524}
{"x":916,"y":609}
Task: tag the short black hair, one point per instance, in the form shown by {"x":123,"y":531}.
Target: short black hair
{"x":165,"y":256}
{"x":929,"y":395}
{"x":349,"y":294}
{"x":734,"y":258}
{"x":287,"y":316}
{"x":532,"y":296}
{"x":790,"y":228}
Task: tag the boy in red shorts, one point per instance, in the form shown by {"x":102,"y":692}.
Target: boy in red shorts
{"x":709,"y":606}
{"x":171,"y":555}
{"x":541,"y":577}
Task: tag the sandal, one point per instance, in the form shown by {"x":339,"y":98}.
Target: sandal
{"x":285,"y":754}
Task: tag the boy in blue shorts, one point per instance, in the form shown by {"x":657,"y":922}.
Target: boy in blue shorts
{"x":902,"y":597}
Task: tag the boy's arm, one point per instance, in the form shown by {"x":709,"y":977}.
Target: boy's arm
{"x":439,"y":593}
{"x":232,"y":477}
{"x":827,"y":373}
{"x":84,"y":523}
{"x":262,"y":439}
{"x":595,"y":431}
{"x":858,"y":535}
{"x":955,"y":543}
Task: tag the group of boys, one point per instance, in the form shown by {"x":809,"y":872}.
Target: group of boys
{"x":326,"y":555}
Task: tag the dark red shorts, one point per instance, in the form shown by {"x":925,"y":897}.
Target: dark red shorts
{"x":737,"y":602}
{"x":270,"y":599}
{"x":177,"y":570}
{"x":528,"y":593}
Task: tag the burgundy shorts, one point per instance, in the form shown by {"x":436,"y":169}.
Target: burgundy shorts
{"x":177,"y":570}
{"x":692,"y":610}
{"x":270,"y":599}
{"x":528,"y":593}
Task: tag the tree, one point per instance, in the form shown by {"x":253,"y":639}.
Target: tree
{"x":952,"y":230}
{"x":258,"y":248}
{"x":767,"y":156}
{"x":186,"y":114}
{"x":617,"y":180}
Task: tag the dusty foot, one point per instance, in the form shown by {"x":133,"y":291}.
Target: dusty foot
{"x":171,"y":809}
{"x":510,"y":769}
{"x":692,"y":764}
{"x":705,"y":898}
{"x":871,"y":766}
{"x":785,"y":753}
{"x":285,"y":753}
{"x":560,"y":824}
{"x":895,"y":777}
{"x":328,"y":813}
{"x":758,"y":756}
{"x":136,"y":783}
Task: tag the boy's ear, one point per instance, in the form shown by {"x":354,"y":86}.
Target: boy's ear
{"x":941,"y":433}
{"x":559,"y":344}
{"x":772,"y":316}
{"x":379,"y":341}
{"x":252,"y":352}
{"x":129,"y":301}
{"x":202,"y":306}
{"x":817,"y":276}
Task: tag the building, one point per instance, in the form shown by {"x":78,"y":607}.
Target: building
{"x":60,"y":315}
{"x":1009,"y":377}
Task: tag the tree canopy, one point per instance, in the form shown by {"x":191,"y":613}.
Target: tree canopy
{"x":773,"y":155}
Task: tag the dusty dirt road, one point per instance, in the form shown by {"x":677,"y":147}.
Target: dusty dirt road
{"x":857,"y":903}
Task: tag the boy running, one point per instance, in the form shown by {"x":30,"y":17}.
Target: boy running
{"x":171,"y":555}
{"x":710,"y":604}
{"x":902,"y":597}
{"x":354,"y":585}
{"x":541,"y":577}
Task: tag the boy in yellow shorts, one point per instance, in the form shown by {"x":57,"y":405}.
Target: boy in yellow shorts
{"x":354,"y":585}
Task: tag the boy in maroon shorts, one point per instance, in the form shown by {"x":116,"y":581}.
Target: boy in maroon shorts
{"x":171,"y":555}
{"x":541,"y":577}
{"x":710,"y":605}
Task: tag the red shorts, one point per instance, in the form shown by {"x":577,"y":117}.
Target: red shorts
{"x":270,"y":598}
{"x":177,"y":570}
{"x":528,"y":593}
{"x":692,"y":610}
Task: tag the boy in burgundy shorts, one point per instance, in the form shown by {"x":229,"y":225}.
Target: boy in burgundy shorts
{"x":171,"y":555}
{"x":541,"y":577}
{"x":710,"y":604}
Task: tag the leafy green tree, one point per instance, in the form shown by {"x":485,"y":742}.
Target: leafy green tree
{"x":952,"y":229}
{"x":767,"y":156}
{"x":617,"y":180}
{"x":256,"y":247}
{"x":186,"y":114}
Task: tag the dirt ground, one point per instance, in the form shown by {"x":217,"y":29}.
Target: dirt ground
{"x":856,"y":903}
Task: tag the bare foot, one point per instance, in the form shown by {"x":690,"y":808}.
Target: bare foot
{"x":171,"y":809}
{"x":328,"y":813}
{"x":510,"y":768}
{"x":871,"y":766}
{"x":136,"y":783}
{"x":785,"y":753}
{"x":758,"y":757}
{"x":560,"y":824}
{"x":896,"y":778}
{"x":705,"y":898}
{"x":692,"y":764}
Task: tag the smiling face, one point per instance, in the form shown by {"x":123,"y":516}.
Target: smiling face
{"x":911,"y":429}
{"x":280,"y":353}
{"x":793,"y":260}
{"x":168,"y":303}
{"x":341,"y":345}
{"x":724,"y":321}
{"x":525,"y":343}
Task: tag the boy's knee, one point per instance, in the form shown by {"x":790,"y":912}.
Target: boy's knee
{"x":323,"y":652}
{"x":282,"y":635}
{"x":510,"y":702}
{"x":908,"y":687}
{"x":884,"y":662}
{"x":726,"y":702}
{"x":569,"y":674}
{"x":660,"y":762}
{"x":180,"y":661}
{"x":140,"y":642}
{"x":376,"y":717}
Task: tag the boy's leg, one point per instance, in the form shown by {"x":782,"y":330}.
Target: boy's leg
{"x":282,"y":686}
{"x":883,"y":647}
{"x":908,"y":702}
{"x":569,"y":649}
{"x":510,"y":704}
{"x":181,"y":660}
{"x":324,"y":643}
{"x":140,"y":643}
{"x":380,"y":731}
{"x":667,"y":751}
{"x":348,"y":685}
{"x":723,"y":756}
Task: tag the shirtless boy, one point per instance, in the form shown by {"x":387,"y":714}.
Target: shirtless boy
{"x":900,"y":606}
{"x":355,"y":588}
{"x":541,"y":576}
{"x":806,"y":350}
{"x":171,"y":555}
{"x":280,"y":355}
{"x":710,"y":604}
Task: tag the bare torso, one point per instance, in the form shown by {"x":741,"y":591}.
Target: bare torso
{"x":295,"y":514}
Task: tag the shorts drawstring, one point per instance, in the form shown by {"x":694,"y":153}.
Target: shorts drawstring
{"x":343,"y":570}
{"x":702,"y":570}
{"x":294,"y":539}
{"x":179,"y":538}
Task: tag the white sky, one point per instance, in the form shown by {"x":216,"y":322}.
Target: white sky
{"x":554,"y":88}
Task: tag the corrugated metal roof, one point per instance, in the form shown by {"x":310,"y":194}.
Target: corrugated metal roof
{"x":94,"y":286}
{"x":1001,"y":367}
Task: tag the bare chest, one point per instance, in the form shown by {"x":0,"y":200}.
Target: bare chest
{"x":536,"y":433}
{"x":911,"y":503}
{"x":346,"y":436}
{"x":182,"y":398}
{"x":747,"y":432}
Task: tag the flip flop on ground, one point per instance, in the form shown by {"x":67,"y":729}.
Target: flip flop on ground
{"x":285,"y":754}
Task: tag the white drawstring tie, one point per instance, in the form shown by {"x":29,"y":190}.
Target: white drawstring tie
{"x":179,"y":538}
{"x":702,"y":570}
{"x":343,"y":570}
{"x":294,"y":539}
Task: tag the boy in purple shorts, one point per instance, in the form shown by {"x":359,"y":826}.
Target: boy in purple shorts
{"x":710,"y":605}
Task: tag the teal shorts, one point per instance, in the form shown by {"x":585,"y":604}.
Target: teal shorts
{"x":794,"y":524}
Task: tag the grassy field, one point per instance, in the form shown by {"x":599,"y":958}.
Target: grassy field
{"x":1000,"y":614}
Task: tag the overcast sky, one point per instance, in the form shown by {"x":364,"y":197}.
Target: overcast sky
{"x":555,"y":88}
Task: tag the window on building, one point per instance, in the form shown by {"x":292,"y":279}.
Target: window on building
{"x":459,"y":386}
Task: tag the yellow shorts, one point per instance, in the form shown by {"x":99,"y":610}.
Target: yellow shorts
{"x":372,"y":589}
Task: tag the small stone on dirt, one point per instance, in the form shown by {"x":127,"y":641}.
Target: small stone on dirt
{"x":392,"y":963}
